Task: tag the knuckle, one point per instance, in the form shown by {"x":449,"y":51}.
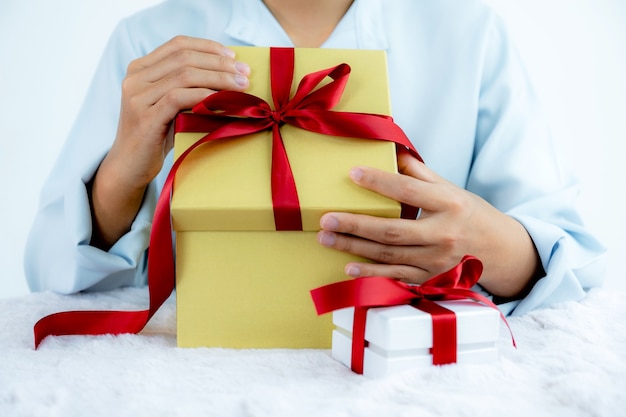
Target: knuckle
{"x":458,"y":202}
{"x":392,"y":234}
{"x":127,"y":86}
{"x":343,"y":244}
{"x":184,"y":76}
{"x":404,"y":258}
{"x":183,"y":57}
{"x":449,"y":241}
{"x":406,"y":191}
{"x":170,"y":99}
{"x":439,"y":264}
{"x":404,"y":275}
{"x":134,"y":66}
{"x":179,"y":41}
{"x":408,"y":275}
{"x":133,"y":104}
{"x":225,"y":79}
{"x":386,"y":255}
{"x":352,"y":228}
{"x":224,"y":61}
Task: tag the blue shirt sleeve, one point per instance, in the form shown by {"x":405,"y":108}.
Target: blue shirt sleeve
{"x":58,"y":255}
{"x":516,"y":168}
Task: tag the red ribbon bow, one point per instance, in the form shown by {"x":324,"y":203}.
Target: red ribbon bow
{"x":232,"y":113}
{"x":365,"y":293}
{"x":227,"y":114}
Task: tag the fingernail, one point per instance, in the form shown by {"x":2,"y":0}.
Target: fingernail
{"x":228,"y":52}
{"x":356,"y":174}
{"x":241,"y":80}
{"x":242,"y":68}
{"x":329,"y":222}
{"x":353,"y":270}
{"x":326,"y":238}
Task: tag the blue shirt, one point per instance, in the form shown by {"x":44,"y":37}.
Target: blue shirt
{"x":458,"y":89}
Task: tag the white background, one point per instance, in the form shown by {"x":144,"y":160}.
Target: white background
{"x":575,"y":51}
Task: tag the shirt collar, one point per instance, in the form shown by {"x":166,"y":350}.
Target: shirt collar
{"x":252,"y":23}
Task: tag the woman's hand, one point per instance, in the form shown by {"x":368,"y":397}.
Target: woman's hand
{"x":174,"y":77}
{"x":453,"y":223}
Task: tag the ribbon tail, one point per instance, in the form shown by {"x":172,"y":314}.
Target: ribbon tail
{"x":160,"y":286}
{"x":94,"y":323}
{"x":358,"y":339}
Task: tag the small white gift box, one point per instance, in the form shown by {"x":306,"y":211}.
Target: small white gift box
{"x":401,"y":337}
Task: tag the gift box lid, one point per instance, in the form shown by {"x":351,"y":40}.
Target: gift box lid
{"x":225,"y":185}
{"x":406,"y":327}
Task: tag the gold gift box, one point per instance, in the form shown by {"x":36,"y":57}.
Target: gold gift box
{"x":239,"y":282}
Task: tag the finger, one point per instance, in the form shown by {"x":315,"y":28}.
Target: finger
{"x":175,"y":65}
{"x":173,"y":101}
{"x":190,"y":78}
{"x":387,"y":231}
{"x":183,"y":89}
{"x":409,"y":165}
{"x":180,"y":43}
{"x":404,"y":273}
{"x":147,"y":93}
{"x":377,"y":252}
{"x":400,"y":187}
{"x":410,"y":263}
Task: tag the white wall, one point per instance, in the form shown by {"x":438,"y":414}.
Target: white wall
{"x":48,"y":52}
{"x":574,"y":51}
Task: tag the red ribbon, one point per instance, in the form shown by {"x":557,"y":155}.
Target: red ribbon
{"x":365,"y":293}
{"x":228,"y":114}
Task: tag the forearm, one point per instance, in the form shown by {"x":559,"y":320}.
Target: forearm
{"x":114,"y":205}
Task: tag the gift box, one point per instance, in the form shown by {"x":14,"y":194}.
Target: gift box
{"x":240,"y":283}
{"x":401,"y":337}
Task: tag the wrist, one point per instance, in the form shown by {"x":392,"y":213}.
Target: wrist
{"x":512,"y":263}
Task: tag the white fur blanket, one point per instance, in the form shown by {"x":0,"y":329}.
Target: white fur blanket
{"x":570,"y":361}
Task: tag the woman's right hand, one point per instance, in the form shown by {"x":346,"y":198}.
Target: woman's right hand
{"x":172,"y":78}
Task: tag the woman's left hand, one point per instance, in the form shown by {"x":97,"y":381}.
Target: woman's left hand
{"x":453,"y":223}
